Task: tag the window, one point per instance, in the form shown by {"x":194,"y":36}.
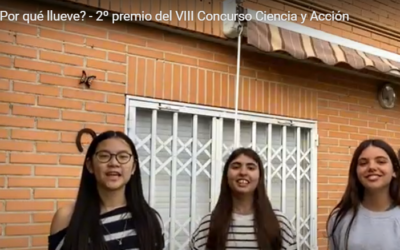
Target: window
{"x":182,"y":166}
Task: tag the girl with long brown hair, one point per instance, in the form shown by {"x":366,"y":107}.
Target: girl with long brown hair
{"x":368,"y":215}
{"x":243,"y":217}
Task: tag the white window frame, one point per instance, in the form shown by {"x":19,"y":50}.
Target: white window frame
{"x":214,"y":112}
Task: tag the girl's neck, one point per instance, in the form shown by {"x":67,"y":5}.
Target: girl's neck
{"x":111,"y":200}
{"x":377,"y":202}
{"x":242,"y":204}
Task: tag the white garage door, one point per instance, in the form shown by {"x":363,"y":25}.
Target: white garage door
{"x":182,"y":165}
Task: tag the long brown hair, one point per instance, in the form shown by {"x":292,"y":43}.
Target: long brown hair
{"x":266,"y":224}
{"x":354,"y":193}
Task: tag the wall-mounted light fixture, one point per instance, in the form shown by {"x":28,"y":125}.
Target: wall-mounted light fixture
{"x":387,"y":96}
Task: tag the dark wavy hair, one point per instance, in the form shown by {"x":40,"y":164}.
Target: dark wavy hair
{"x":266,"y":224}
{"x":354,"y":194}
{"x":84,"y":222}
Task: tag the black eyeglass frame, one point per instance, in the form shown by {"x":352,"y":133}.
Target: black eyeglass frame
{"x":113,"y":155}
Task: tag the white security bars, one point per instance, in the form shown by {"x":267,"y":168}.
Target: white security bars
{"x":182,"y":149}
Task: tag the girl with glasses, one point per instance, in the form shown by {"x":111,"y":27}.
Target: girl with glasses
{"x":110,"y":211}
{"x":243,"y":217}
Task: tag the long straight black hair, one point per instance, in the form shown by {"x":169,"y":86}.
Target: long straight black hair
{"x":85,"y":225}
{"x":354,"y":194}
{"x":266,"y":224}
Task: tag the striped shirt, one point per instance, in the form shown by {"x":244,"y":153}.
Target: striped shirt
{"x":242,"y":235}
{"x":118,"y":234}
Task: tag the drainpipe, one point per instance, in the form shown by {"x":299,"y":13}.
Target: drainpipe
{"x":237,"y":84}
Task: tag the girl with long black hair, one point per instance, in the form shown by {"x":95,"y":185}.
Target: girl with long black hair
{"x":368,"y":215}
{"x":110,"y":211}
{"x":243,"y":217}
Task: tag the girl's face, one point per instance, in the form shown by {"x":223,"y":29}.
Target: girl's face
{"x":374,"y":169}
{"x":112,"y":164}
{"x":243,"y":175}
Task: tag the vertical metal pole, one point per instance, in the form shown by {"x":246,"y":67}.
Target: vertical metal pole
{"x":239,"y":46}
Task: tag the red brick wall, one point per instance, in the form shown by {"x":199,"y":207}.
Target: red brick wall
{"x":42,"y":106}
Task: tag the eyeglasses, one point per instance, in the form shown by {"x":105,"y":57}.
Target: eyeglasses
{"x":121,"y":157}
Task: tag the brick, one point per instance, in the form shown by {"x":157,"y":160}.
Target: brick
{"x":36,"y":89}
{"x":116,"y":119}
{"x":37,"y":66}
{"x":117,"y":99}
{"x":117,"y":57}
{"x":17,"y":122}
{"x":82,"y":116}
{"x":126,"y":38}
{"x":18,"y":51}
{"x":33,"y":159}
{"x":107,"y":45}
{"x":17,"y":182}
{"x":102,"y":65}
{"x":61,"y":58}
{"x":83,"y":95}
{"x":16,"y":146}
{"x":57,"y":81}
{"x":37,"y":42}
{"x":68,"y":183}
{"x":105,"y":108}
{"x":61,"y":36}
{"x":85,"y":51}
{"x":72,"y":160}
{"x":15,"y":194}
{"x":28,"y":230}
{"x":59,"y":171}
{"x":5,"y":61}
{"x":18,"y":28}
{"x":4,"y":133}
{"x":14,"y":218}
{"x":39,"y":240}
{"x":15,"y":242}
{"x":59,"y":103}
{"x":15,"y":170}
{"x":54,"y":193}
{"x":5,"y":108}
{"x":17,"y":98}
{"x":4,"y":85}
{"x":58,"y":125}
{"x":24,"y":206}
{"x":34,"y":135}
{"x":6,"y":37}
{"x":42,"y":218}
{"x":85,"y":30}
{"x":36,"y":112}
{"x":119,"y":78}
{"x":48,"y":147}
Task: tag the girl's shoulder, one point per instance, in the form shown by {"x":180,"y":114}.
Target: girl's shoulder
{"x":55,"y":240}
{"x":59,"y":225}
{"x":282,"y":218}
